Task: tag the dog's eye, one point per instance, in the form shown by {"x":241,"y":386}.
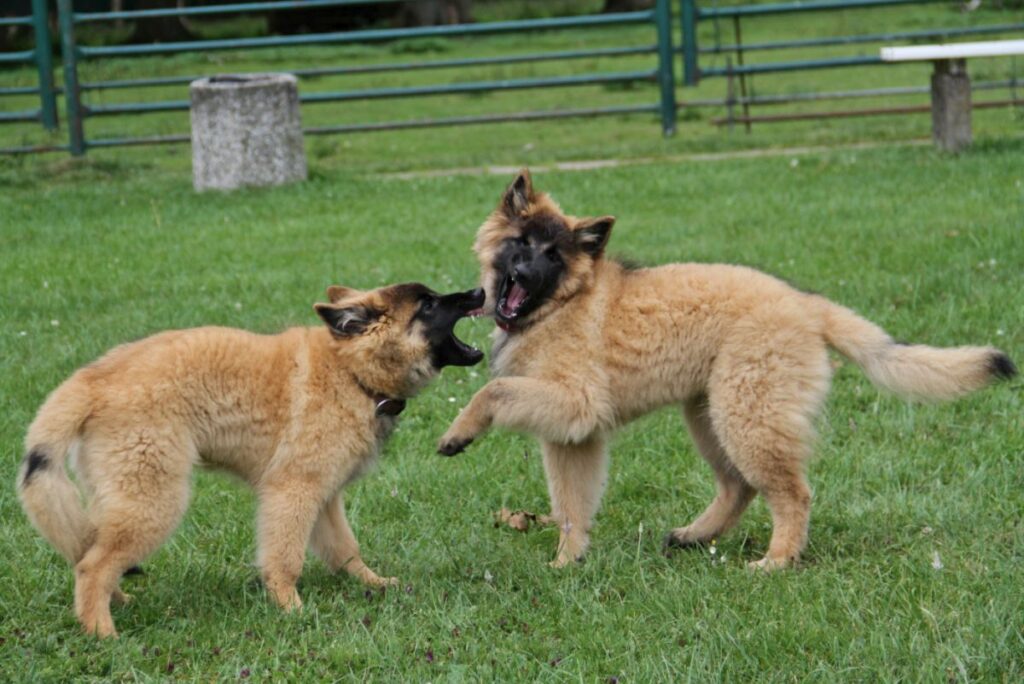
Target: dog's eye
{"x":553,"y":254}
{"x":428,"y":305}
{"x":523,"y":241}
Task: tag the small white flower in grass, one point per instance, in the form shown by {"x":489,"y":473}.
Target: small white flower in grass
{"x":451,"y":400}
{"x":474,"y":374}
{"x":23,"y":333}
{"x":992,"y":263}
{"x":238,"y":306}
{"x":488,"y":577}
{"x":793,"y":163}
{"x":394,"y":492}
{"x":936,"y":561}
{"x":46,"y":284}
{"x":1000,"y":332}
{"x":54,"y":322}
{"x":714,"y":549}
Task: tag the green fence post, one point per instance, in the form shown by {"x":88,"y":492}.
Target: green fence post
{"x":666,"y":80}
{"x":688,"y":17}
{"x":72,"y":95}
{"x":44,"y":62}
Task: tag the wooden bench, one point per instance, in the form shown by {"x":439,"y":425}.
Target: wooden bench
{"x":951,"y":86}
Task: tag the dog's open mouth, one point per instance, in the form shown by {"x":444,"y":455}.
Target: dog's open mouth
{"x":512,"y":297}
{"x":455,"y":352}
{"x":451,"y":351}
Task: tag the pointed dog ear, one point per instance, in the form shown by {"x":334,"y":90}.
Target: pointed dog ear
{"x":592,"y":234}
{"x":346,"y":321}
{"x":335,"y":293}
{"x":518,"y":195}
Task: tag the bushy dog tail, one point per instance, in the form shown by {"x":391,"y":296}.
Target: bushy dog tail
{"x":51,"y":500}
{"x":915,"y":371}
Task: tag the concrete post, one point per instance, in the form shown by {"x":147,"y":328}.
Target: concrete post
{"x":951,"y":105}
{"x":246,"y":131}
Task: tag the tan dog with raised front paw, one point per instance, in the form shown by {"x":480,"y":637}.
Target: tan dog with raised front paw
{"x":587,"y":344}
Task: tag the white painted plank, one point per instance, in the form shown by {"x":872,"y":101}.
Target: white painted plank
{"x":992,"y":48}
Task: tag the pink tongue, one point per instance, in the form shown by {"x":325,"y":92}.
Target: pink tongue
{"x":515,"y":297}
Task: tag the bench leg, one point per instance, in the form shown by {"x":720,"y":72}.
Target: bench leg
{"x":951,"y":105}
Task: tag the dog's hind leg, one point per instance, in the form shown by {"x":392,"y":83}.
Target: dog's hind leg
{"x":764,"y":396}
{"x":137,"y":504}
{"x":334,"y":543}
{"x":576,"y":474}
{"x":733,"y":496}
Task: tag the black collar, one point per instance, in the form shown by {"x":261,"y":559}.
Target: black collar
{"x":387,"y":406}
{"x":383,"y":405}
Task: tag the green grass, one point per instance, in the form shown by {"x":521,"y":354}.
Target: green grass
{"x":925,"y":244}
{"x":118,"y":246}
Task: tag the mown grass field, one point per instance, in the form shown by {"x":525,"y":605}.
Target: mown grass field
{"x":913,"y":572}
{"x":927,"y":245}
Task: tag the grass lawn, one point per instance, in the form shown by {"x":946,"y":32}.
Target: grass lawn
{"x":913,"y":572}
{"x":927,"y":245}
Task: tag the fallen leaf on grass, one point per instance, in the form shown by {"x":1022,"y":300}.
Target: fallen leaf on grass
{"x":521,"y":520}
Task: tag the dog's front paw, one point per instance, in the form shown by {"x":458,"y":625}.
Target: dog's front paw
{"x":449,"y":446}
{"x":680,"y":539}
{"x":375,"y":580}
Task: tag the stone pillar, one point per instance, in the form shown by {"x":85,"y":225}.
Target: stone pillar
{"x":246,"y":131}
{"x":951,"y":105}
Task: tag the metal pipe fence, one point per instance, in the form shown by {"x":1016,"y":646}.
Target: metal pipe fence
{"x":690,"y":49}
{"x":40,"y":55}
{"x":660,"y":73}
{"x":663,"y":50}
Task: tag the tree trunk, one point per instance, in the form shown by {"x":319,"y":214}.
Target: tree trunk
{"x":328,"y":19}
{"x":626,"y":5}
{"x":159,"y":29}
{"x":435,"y":12}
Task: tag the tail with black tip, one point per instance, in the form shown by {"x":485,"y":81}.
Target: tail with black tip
{"x":51,"y":500}
{"x":915,"y":371}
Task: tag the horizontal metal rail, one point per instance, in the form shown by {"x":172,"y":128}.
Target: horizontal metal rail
{"x":393,"y":66}
{"x":411,"y":124}
{"x":774,"y":67}
{"x":374,"y":35}
{"x":15,"y":21}
{"x":864,"y":38}
{"x":490,"y":118}
{"x":480,"y":86}
{"x":149,"y":140}
{"x":812,"y":6}
{"x":33,"y":149}
{"x":845,"y":113}
{"x":21,"y":90}
{"x":383,"y":93}
{"x":20,"y":56}
{"x":865,"y":93}
{"x":81,"y":17}
{"x":27,"y":115}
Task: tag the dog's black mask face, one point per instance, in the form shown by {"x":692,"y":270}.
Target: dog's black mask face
{"x":529,"y":268}
{"x":438,"y":314}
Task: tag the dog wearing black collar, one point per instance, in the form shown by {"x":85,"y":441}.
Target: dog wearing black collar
{"x":297,"y":415}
